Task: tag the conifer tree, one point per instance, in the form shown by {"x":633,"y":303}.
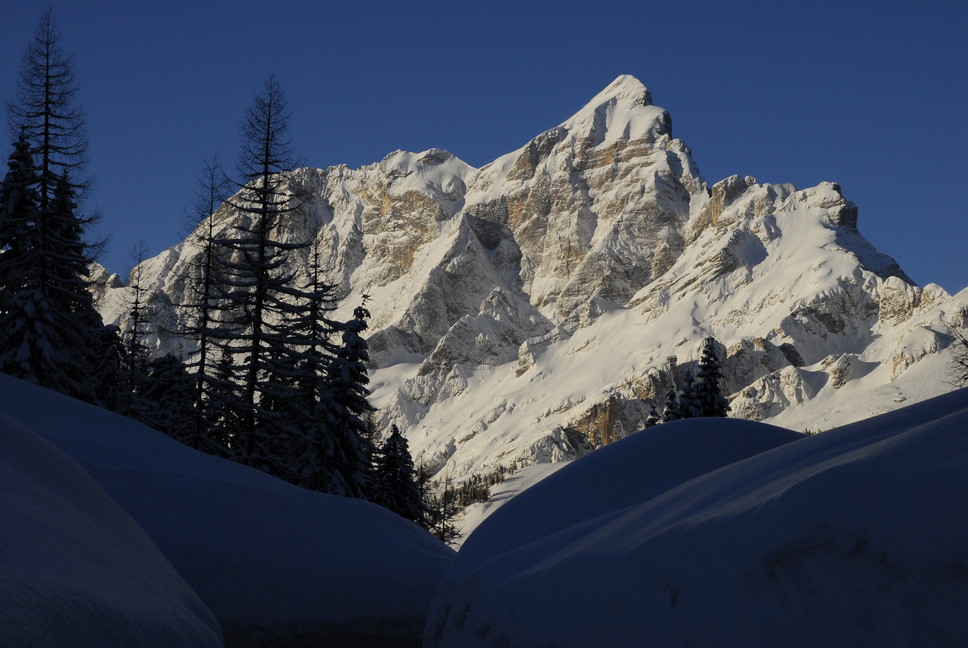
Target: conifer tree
{"x":671,"y":411}
{"x":44,"y":110}
{"x":395,"y":479}
{"x":439,"y":505}
{"x":958,"y":365}
{"x":136,"y":352}
{"x":19,"y":205}
{"x":689,"y":405}
{"x":50,"y":332}
{"x":348,"y":392}
{"x":204,"y":301}
{"x":708,"y":392}
{"x":653,"y":419}
{"x":222,"y":416}
{"x":21,"y":352}
{"x":168,"y":395}
{"x":258,"y":286}
{"x":318,"y":420}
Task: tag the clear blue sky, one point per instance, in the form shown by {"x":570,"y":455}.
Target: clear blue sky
{"x":872,"y":95}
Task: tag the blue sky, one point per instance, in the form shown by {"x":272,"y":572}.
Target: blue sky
{"x":868,"y":94}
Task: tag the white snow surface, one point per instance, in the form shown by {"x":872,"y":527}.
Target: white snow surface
{"x":272,"y":561}
{"x":853,"y":537}
{"x":522,"y":479}
{"x":76,"y":569}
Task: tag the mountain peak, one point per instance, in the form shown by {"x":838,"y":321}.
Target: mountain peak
{"x":622,"y":111}
{"x":626,"y":86}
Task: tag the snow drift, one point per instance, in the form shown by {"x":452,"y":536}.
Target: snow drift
{"x":851,"y":537}
{"x":272,"y":561}
{"x":76,"y":569}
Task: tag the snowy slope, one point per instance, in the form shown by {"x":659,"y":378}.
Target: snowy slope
{"x":519,"y":306}
{"x":852,"y":537}
{"x":76,"y":569}
{"x":272,"y":561}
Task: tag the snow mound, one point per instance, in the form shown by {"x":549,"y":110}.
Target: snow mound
{"x":851,"y":537}
{"x":273,"y":562}
{"x":76,"y":569}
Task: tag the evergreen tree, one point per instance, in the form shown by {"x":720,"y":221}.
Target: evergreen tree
{"x":671,"y":411}
{"x":19,"y":205}
{"x":222,"y":416}
{"x":689,"y":405}
{"x":348,"y":393}
{"x":109,"y":363}
{"x":439,"y":505}
{"x":958,"y":365}
{"x":25,"y":350}
{"x":318,"y":460}
{"x":395,"y":479}
{"x":653,"y":418}
{"x":168,"y":394}
{"x":710,"y":373}
{"x":50,"y":332}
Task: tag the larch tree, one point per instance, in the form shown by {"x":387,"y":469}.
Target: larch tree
{"x":199,"y":320}
{"x":134,"y":339}
{"x":51,"y":332}
{"x":260,"y":291}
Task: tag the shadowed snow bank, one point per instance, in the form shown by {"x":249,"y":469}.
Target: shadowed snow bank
{"x":272,"y":561}
{"x":850,"y":537}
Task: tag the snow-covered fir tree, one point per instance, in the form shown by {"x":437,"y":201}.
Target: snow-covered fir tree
{"x":348,"y":392}
{"x":671,"y":410}
{"x":395,"y":480}
{"x":50,"y":332}
{"x":709,"y":374}
{"x":653,"y":418}
{"x":167,"y":391}
{"x":314,"y":463}
{"x":689,"y":404}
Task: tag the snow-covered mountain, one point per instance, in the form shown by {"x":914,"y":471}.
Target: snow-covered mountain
{"x":548,"y":297}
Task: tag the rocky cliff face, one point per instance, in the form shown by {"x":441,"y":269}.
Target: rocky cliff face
{"x":557,"y":291}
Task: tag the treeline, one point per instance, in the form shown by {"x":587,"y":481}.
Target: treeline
{"x":270,"y":378}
